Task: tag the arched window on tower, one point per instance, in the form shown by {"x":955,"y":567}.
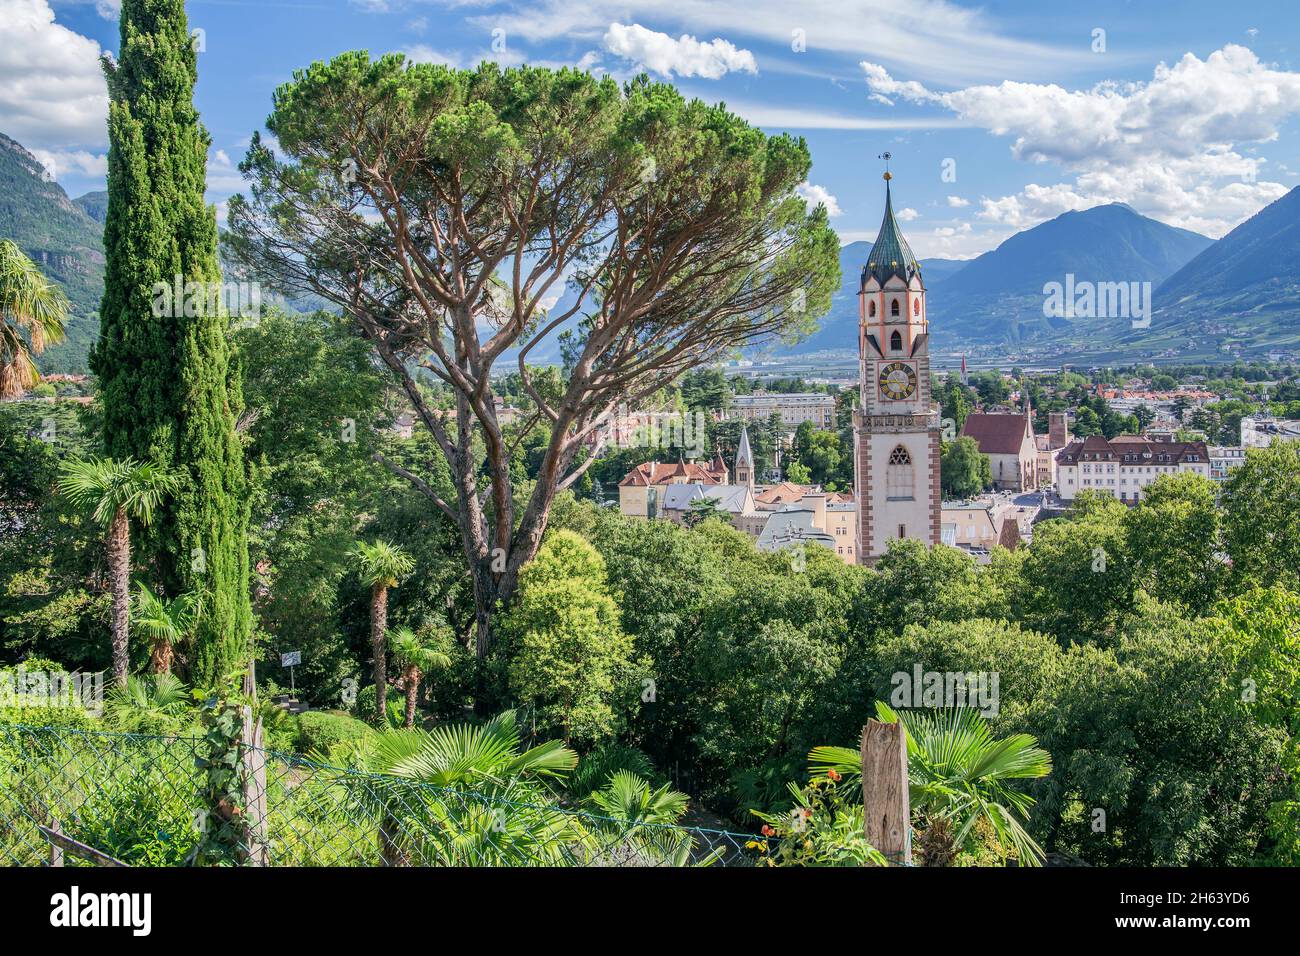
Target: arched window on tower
{"x":893,"y":307}
{"x":916,"y":306}
{"x":896,"y":341}
{"x":899,"y":485}
{"x":871,"y":310}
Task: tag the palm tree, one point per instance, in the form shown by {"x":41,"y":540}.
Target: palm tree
{"x":157,"y":704}
{"x":165,"y":623}
{"x":641,"y":828}
{"x":116,"y":493}
{"x":959,"y":773}
{"x":381,"y":566}
{"x":467,"y":795}
{"x":32,"y":313}
{"x":415,"y":655}
{"x":628,"y":798}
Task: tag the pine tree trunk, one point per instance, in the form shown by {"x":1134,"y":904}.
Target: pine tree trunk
{"x":119,"y":582}
{"x":378,"y":633}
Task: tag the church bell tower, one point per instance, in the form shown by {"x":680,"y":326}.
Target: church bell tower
{"x":896,"y":425}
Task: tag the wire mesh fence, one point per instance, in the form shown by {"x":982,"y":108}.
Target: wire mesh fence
{"x":136,"y":799}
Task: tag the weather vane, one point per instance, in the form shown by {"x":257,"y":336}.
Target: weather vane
{"x":886,"y":157}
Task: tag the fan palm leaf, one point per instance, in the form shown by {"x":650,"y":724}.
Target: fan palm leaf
{"x":32,"y":312}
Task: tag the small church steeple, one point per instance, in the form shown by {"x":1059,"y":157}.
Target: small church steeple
{"x":744,"y":460}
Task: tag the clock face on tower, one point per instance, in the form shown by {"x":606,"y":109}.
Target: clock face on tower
{"x":897,"y":381}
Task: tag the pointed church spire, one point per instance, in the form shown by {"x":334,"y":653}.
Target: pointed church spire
{"x":890,"y":253}
{"x":744,"y":460}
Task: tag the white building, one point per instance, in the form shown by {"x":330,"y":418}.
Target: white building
{"x":795,"y":408}
{"x":1125,"y":468}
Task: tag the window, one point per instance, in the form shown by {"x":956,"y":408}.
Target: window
{"x":916,"y":306}
{"x":871,"y":310}
{"x":896,"y":341}
{"x":898,"y":476}
{"x":893,"y":307}
{"x":902,"y":531}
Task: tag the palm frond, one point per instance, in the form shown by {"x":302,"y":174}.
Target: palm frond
{"x":382,"y":563}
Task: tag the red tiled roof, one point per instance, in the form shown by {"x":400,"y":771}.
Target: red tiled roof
{"x":997,"y":434}
{"x":786,"y":491}
{"x":661,"y":473}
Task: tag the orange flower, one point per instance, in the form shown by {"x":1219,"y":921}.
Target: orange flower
{"x":834,"y":775}
{"x":767,"y":831}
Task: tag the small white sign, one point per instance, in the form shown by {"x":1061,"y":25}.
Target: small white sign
{"x":291,"y":659}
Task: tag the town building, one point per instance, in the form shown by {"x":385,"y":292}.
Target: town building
{"x":1224,"y":458}
{"x":641,"y":490}
{"x":1126,"y":465}
{"x":896,"y":428}
{"x":792,"y":527}
{"x":1259,"y":431}
{"x":795,"y":408}
{"x":976,"y":526}
{"x":1008,"y":440}
{"x":737,"y":501}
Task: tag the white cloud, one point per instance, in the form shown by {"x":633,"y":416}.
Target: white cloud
{"x":793,"y":117}
{"x":907,"y":214}
{"x":224,"y":176}
{"x":936,"y":39}
{"x":52,"y":92}
{"x":418,"y":24}
{"x":423,"y":53}
{"x":957,"y":202}
{"x":1172,"y":147}
{"x":819,"y":194}
{"x":685,"y":56}
{"x":60,"y":162}
{"x":108,"y":9}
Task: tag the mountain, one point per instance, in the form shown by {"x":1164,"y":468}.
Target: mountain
{"x":1245,"y":288}
{"x":94,"y":205}
{"x":839,"y":326}
{"x":999,"y":295}
{"x":66,"y":243}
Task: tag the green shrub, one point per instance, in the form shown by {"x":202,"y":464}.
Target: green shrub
{"x":364,"y":708}
{"x":595,"y":768}
{"x":322,"y":730}
{"x":48,"y":717}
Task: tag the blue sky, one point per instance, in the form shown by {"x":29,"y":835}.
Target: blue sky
{"x":998,"y":116}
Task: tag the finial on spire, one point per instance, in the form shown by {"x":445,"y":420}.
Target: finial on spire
{"x":886,"y":157}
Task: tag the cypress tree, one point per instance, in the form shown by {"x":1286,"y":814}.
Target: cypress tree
{"x":167,"y":383}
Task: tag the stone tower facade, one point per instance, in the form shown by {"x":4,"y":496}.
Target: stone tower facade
{"x":896,"y":425}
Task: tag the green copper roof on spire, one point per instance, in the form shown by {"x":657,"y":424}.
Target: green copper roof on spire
{"x":890,"y":254}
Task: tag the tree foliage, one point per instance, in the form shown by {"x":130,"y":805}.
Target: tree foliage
{"x":441,"y":207}
{"x":169,"y":391}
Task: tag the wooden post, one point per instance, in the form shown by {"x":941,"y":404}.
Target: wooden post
{"x":884,"y":790}
{"x":254,"y":761}
{"x":56,"y":851}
